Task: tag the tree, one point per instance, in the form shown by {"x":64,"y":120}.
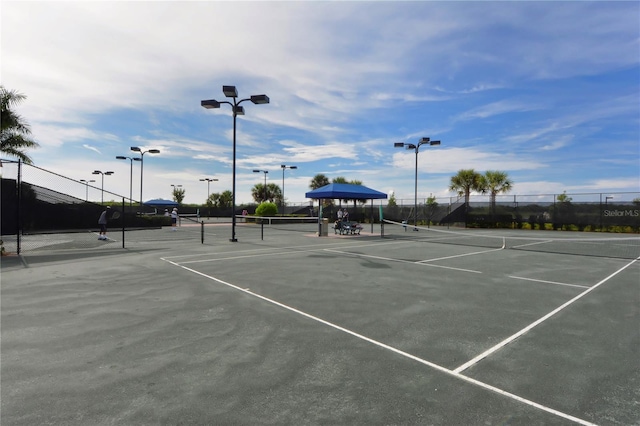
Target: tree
{"x":225,"y":199}
{"x":495,"y":182}
{"x":359,"y":200}
{"x":14,"y":131}
{"x":563,"y":210}
{"x":271,"y":193}
{"x":464,"y":182}
{"x":319,"y":181}
{"x":432,"y":206}
{"x":341,"y":179}
{"x":178,"y":194}
{"x":392,"y":200}
{"x":213,"y":200}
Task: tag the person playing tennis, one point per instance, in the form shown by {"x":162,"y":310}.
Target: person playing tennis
{"x":102,"y":221}
{"x":174,"y":219}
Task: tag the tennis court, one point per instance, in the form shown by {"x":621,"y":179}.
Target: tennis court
{"x":284,"y":327}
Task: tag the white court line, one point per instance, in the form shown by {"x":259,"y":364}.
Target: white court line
{"x":535,"y":243}
{"x":539,"y":321}
{"x":293,"y":250}
{"x":459,"y":255}
{"x":392,"y":349}
{"x":548,"y":282}
{"x":270,"y":249}
{"x":390,"y":259}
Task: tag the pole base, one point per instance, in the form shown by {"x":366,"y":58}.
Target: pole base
{"x":233,"y":240}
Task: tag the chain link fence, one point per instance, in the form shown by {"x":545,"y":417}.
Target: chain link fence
{"x":56,"y":213}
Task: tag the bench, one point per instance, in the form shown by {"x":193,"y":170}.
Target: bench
{"x":347,"y":228}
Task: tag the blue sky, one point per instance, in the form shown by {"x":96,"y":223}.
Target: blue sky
{"x":545,"y":91}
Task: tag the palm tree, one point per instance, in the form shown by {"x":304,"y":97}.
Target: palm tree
{"x":495,"y":182}
{"x":14,"y":130}
{"x":340,"y":179}
{"x":319,"y":181}
{"x":225,"y":199}
{"x":272,"y":193}
{"x":464,"y":182}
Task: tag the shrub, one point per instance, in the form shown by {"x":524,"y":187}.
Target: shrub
{"x":267,"y":209}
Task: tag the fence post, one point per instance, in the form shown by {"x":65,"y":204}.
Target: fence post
{"x":123,"y":222}
{"x":19,"y":208}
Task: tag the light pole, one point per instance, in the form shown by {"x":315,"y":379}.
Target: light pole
{"x":142,"y":153}
{"x":265,"y":182}
{"x":283,"y":166}
{"x":232,"y":92}
{"x":98,"y":172}
{"x":416,"y":147}
{"x":131,"y":160}
{"x":208,"y":180}
{"x":86,"y":183}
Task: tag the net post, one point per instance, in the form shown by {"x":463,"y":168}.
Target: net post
{"x":202,"y":232}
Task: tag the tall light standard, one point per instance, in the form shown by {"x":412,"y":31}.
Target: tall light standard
{"x":142,"y":153}
{"x":283,"y":166}
{"x":232,"y":92}
{"x":131,"y":160}
{"x":98,"y":172}
{"x":86,"y":183}
{"x":208,"y":180}
{"x":416,"y":147}
{"x":265,"y":181}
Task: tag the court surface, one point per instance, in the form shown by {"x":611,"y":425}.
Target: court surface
{"x":338,"y":330}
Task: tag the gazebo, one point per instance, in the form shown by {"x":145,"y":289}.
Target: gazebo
{"x":346,"y":191}
{"x":161,"y":204}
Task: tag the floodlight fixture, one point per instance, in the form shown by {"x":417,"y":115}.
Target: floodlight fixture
{"x":259,"y":99}
{"x":209,"y":104}
{"x":230,"y":91}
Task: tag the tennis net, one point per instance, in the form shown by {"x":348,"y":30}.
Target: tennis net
{"x":280,"y":223}
{"x":623,"y":247}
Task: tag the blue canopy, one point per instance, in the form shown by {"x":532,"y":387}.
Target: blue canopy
{"x":345,"y":191}
{"x":159,"y":202}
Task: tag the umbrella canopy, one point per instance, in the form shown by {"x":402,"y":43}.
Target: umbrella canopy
{"x":159,"y":202}
{"x":345,"y":191}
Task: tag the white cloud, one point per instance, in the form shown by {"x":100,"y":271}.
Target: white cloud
{"x":344,"y":84}
{"x":92,"y":148}
{"x":450,"y":160}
